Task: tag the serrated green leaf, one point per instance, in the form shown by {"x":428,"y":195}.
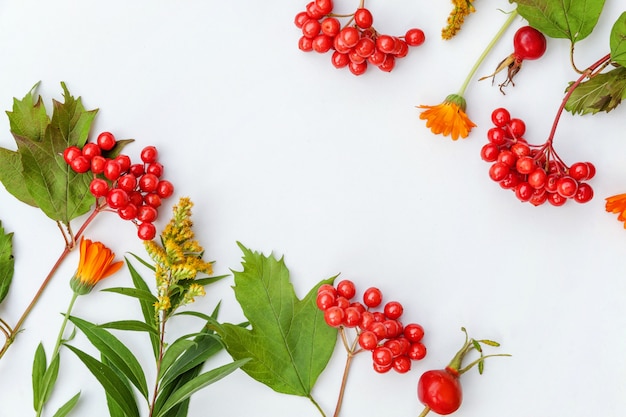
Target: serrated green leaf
{"x":113,"y":385}
{"x":40,"y":363}
{"x":12,"y":178}
{"x":7,"y":262}
{"x":130,"y":325}
{"x":58,"y":191}
{"x":568,"y":19}
{"x":201,"y":381}
{"x":115,"y":351}
{"x":66,"y":408}
{"x":618,"y":41}
{"x":603,"y":92}
{"x":289,"y":343}
{"x":29,"y":117}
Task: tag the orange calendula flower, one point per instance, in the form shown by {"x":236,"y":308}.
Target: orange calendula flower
{"x":95,"y":264}
{"x":448,"y":118}
{"x":617,"y":204}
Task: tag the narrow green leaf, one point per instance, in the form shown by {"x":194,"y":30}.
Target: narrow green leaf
{"x":175,"y":349}
{"x":289,"y":343}
{"x":114,"y":409}
{"x":7,"y":262}
{"x":204,"y":346}
{"x":481,"y":366}
{"x":477,"y":345}
{"x":143,"y":262}
{"x":132,"y":325}
{"x":40,"y":363}
{"x":618,"y":40}
{"x":49,"y":379}
{"x":603,"y":92}
{"x":165,"y":391}
{"x":489,"y":342}
{"x":113,"y":385}
{"x":115,"y":351}
{"x":568,"y":19}
{"x":210,"y":280}
{"x":67,"y":407}
{"x":133,"y":292}
{"x":147,"y":307}
{"x":199,"y":382}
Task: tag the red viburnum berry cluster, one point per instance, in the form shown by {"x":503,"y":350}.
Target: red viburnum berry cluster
{"x":356,"y":44}
{"x":534,"y":172}
{"x":134,"y":191}
{"x":393,"y":345}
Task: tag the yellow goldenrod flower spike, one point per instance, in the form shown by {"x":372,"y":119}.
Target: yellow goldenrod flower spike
{"x":462,"y":8}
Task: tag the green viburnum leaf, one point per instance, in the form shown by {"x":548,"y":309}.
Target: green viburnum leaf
{"x":36,"y":173}
{"x":603,"y":92}
{"x":569,"y":19}
{"x":618,"y":41}
{"x":289,"y":343}
{"x":7,"y":262}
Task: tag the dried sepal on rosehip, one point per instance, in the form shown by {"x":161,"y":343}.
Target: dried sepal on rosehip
{"x":440,"y":390}
{"x":528,"y":44}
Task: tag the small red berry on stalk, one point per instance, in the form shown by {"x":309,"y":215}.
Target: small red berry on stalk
{"x":528,"y":44}
{"x":440,"y":389}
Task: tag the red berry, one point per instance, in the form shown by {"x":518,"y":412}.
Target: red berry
{"x":346,"y":289}
{"x":300,"y":18}
{"x":401,"y":364}
{"x":496,"y":135}
{"x":567,"y":186}
{"x":117,"y":198}
{"x":440,"y":390}
{"x":127,"y":182}
{"x":155,"y":168}
{"x":339,"y":60}
{"x":579,"y":171}
{"x":97,"y":164}
{"x":164,"y":189}
{"x":90,"y":150}
{"x":537,"y":178}
{"x":352,"y":317}
{"x":112,"y":170}
{"x":368,"y":340}
{"x":322,"y":43}
{"x":363,"y":18}
{"x":148,"y":183}
{"x":349,"y":36}
{"x":305,"y":44}
{"x":382,"y":356}
{"x":388,"y":64}
{"x":146,"y":231}
{"x":414,"y":37}
{"x":386,"y":43}
{"x":324,"y":6}
{"x":517,"y":128}
{"x":149,"y":154}
{"x":584,"y":193}
{"x":416,"y":351}
{"x":98,"y":187}
{"x":413,"y":332}
{"x":146,"y":213}
{"x":500,"y":117}
{"x":70,"y":153}
{"x":325,"y":300}
{"x":529,"y":43}
{"x":152,"y":199}
{"x":334,"y":316}
{"x":357,"y":68}
{"x":124,"y":161}
{"x":106,"y":141}
{"x":80,"y":164}
{"x":372,"y":297}
{"x":310,"y":29}
{"x":330,"y":26}
{"x":128,"y":212}
{"x":393,"y":310}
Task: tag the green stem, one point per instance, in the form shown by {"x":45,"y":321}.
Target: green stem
{"x":57,"y":347}
{"x":481,"y":58}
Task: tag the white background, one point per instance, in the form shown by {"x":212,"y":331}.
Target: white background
{"x":286,"y":154}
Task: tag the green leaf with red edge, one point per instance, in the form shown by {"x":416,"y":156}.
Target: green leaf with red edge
{"x":568,"y":19}
{"x":289,"y":343}
{"x":7,"y":262}
{"x":618,"y":40}
{"x":603,"y":92}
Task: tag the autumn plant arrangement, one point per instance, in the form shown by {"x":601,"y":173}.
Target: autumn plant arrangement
{"x":286,"y":342}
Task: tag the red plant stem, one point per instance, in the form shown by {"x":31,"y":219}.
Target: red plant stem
{"x":570,"y":90}
{"x":158,"y":365}
{"x":68,"y":248}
